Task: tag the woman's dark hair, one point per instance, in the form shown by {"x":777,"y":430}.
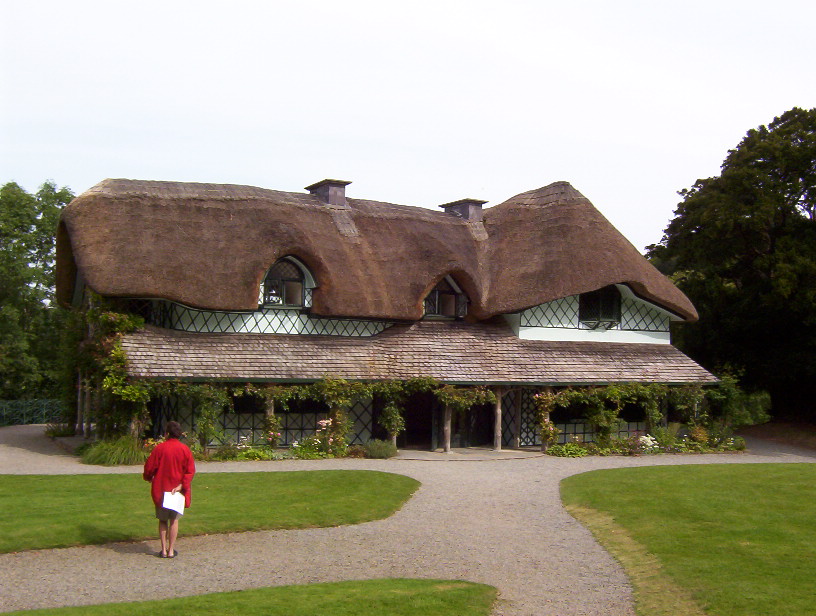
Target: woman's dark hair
{"x":174,"y":429}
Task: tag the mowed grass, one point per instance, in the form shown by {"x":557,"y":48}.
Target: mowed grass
{"x":738,"y":539}
{"x":392,"y":597}
{"x":40,"y":511}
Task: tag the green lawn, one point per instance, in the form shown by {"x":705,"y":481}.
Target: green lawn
{"x":398,"y":597}
{"x":738,"y":539}
{"x":48,"y":511}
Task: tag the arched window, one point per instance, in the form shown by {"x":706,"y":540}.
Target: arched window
{"x":600,"y":309}
{"x":284,"y":285}
{"x":446,"y":299}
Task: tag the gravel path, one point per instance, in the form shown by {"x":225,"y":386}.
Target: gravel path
{"x":484,"y":517}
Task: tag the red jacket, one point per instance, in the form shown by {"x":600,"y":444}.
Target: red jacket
{"x":170,"y":464}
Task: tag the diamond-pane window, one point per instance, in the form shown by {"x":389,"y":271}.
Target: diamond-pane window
{"x":445,"y":301}
{"x":557,"y":313}
{"x":601,"y":308}
{"x":639,"y":315}
{"x":283,"y":285}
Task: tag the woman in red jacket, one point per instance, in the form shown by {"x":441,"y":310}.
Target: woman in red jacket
{"x":170,"y":468}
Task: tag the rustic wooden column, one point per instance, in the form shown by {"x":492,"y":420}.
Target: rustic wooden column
{"x":78,"y":425}
{"x":497,"y":418}
{"x":270,"y":408}
{"x":446,"y":430}
{"x":517,"y":417}
{"x":544,"y":445}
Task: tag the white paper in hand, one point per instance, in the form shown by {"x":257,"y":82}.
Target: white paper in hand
{"x":175,"y":502}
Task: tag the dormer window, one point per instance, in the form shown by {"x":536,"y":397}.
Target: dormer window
{"x":600,"y":309}
{"x":284,"y":285}
{"x":446,"y":299}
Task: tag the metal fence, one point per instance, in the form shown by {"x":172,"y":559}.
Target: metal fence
{"x":20,"y":412}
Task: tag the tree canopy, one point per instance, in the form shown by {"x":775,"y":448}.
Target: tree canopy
{"x":742,"y":246}
{"x":29,"y":323}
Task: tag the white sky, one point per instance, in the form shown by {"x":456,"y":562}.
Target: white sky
{"x":418,"y":103}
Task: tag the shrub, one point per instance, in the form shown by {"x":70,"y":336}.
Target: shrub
{"x":272,"y":430}
{"x":667,"y":437}
{"x":260,"y":454}
{"x":310,"y":448}
{"x":54,"y":430}
{"x":123,"y":450}
{"x":567,"y":450}
{"x":227,"y":451}
{"x":356,"y":451}
{"x":81,"y":449}
{"x":380,"y":450}
{"x":698,"y":434}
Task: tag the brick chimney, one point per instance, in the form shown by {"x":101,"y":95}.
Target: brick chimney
{"x":330,"y":192}
{"x":468,"y":209}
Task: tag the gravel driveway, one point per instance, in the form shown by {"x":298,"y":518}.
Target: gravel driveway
{"x":479,"y":517}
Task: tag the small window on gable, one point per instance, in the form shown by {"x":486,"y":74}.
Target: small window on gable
{"x":284,"y":285}
{"x":446,"y":300}
{"x":600,"y":309}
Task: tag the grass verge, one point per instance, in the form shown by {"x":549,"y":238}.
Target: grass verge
{"x":395,"y":597}
{"x":46,"y":511}
{"x":726,"y":540}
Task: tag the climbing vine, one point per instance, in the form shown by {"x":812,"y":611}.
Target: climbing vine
{"x":460,"y":399}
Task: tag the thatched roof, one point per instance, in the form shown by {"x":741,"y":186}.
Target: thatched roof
{"x":487,"y":353}
{"x":209,"y":246}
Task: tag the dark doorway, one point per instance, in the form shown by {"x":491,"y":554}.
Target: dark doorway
{"x":421,"y":411}
{"x":473,"y":428}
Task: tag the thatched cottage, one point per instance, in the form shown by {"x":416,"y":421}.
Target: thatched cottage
{"x":244,"y":284}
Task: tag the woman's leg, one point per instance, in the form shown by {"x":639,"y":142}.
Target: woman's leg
{"x":172,"y":534}
{"x":163,"y":537}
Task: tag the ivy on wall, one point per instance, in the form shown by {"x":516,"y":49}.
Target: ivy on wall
{"x":123,"y":403}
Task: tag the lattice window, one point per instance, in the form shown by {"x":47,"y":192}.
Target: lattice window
{"x":508,"y":418}
{"x":169,"y":408}
{"x":243,"y":428}
{"x":296,"y":426}
{"x":445,"y":300}
{"x":283,"y":285}
{"x":575,"y":431}
{"x":561,"y":312}
{"x":632,"y":428}
{"x":529,"y":421}
{"x":600,"y":309}
{"x":641,"y":316}
{"x":361,"y":415}
{"x":581,"y":432}
{"x":265,"y":321}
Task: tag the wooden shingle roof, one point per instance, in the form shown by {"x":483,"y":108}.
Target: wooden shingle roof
{"x":453,"y":352}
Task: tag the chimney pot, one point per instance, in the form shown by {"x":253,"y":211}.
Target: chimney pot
{"x":468,"y":209}
{"x":330,"y":192}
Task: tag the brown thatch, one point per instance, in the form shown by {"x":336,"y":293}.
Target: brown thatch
{"x":485,"y":353}
{"x":209,"y":246}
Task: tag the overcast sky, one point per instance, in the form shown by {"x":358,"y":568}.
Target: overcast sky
{"x":417,"y":103}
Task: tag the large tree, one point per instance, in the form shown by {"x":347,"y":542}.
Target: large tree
{"x":29,"y":320}
{"x":742,"y":246}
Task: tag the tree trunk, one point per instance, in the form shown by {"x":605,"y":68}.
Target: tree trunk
{"x":446,"y":430}
{"x":89,"y":403}
{"x":79,"y":424}
{"x":545,"y":445}
{"x":497,"y":419}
